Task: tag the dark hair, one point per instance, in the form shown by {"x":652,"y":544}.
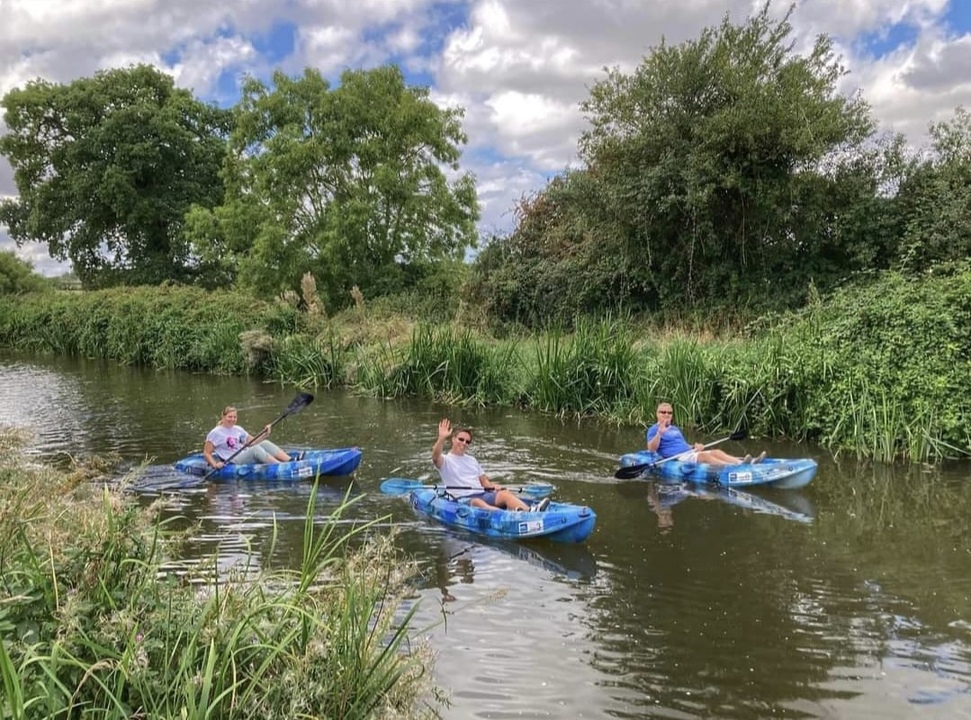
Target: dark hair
{"x":464,"y":430}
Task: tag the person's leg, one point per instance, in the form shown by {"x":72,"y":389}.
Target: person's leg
{"x":510,"y":501}
{"x":275,"y":452}
{"x":719,"y":457}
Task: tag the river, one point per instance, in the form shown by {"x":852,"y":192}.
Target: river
{"x":850,"y":598}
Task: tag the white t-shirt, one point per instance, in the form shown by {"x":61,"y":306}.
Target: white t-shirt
{"x":461,"y":471}
{"x":225,"y":441}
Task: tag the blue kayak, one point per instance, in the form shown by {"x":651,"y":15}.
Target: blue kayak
{"x":772,"y":472}
{"x":560,"y":522}
{"x":340,"y":461}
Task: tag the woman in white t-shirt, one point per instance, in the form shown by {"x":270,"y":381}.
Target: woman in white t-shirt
{"x":463,"y":477}
{"x":227,"y":438}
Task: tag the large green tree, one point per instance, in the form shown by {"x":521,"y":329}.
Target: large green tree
{"x":724,"y":153}
{"x":107,"y":167}
{"x":350,"y":183}
{"x":724,"y":172}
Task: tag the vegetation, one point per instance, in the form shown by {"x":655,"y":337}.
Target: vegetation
{"x":95,"y":620}
{"x":17,"y":276}
{"x":878,"y":369}
{"x":347,"y":184}
{"x":107,"y":168}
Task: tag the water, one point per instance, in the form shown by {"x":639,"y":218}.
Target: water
{"x":849,"y":598}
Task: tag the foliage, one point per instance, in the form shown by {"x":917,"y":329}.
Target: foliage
{"x":106,"y":168}
{"x":347,"y":183}
{"x":723,"y":172}
{"x":96,"y":622}
{"x":17,"y":276}
{"x":935,"y":199}
{"x":441,"y":364}
{"x":562,"y":260}
{"x":168,"y":327}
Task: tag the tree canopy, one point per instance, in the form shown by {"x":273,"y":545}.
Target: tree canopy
{"x":107,"y":167}
{"x":727,"y":170}
{"x":349,"y":183}
{"x":17,"y":276}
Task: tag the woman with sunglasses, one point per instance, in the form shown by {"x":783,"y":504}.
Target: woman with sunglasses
{"x":465,"y":478}
{"x":667,"y":441}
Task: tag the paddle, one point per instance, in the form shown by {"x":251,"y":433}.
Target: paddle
{"x":632,"y":471}
{"x":401,"y":486}
{"x":298,"y":403}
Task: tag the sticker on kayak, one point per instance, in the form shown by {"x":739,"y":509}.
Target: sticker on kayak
{"x":740,"y":478}
{"x":530,"y":526}
{"x":305,"y":472}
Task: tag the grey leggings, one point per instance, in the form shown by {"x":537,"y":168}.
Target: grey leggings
{"x":260,"y":453}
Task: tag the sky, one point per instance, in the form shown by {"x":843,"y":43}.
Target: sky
{"x":519,"y":68}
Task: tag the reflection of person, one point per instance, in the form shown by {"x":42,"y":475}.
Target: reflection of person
{"x":464,"y":477}
{"x":668,"y":441}
{"x":228,"y":437}
{"x":665,"y":518}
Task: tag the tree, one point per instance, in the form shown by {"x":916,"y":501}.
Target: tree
{"x":935,"y":199}
{"x":724,"y":156}
{"x":17,"y":276}
{"x":347,"y":183}
{"x":107,"y":167}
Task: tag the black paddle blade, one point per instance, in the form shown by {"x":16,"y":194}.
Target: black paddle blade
{"x":301,"y":401}
{"x":739,"y":434}
{"x":631,"y":471}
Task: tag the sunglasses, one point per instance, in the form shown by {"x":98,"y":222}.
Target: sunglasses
{"x":467,"y":441}
{"x":665,"y":412}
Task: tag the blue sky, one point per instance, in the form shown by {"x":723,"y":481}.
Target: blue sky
{"x":519,"y":69}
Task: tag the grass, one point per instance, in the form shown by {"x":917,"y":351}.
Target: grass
{"x":96,"y":623}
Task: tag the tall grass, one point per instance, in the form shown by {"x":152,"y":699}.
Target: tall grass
{"x":455,"y":367}
{"x":92,"y":625}
{"x":594,"y":371}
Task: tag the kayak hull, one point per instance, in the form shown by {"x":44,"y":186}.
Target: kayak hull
{"x":781,"y":473}
{"x":560,"y":522}
{"x":332,"y":462}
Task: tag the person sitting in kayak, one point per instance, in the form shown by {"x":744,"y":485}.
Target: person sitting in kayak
{"x":667,"y":441}
{"x":464,"y":477}
{"x":227,"y":438}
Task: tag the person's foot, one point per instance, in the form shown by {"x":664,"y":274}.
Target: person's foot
{"x":760,"y":458}
{"x":541,"y":505}
{"x":746,"y":460}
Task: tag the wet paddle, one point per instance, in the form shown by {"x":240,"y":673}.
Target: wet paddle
{"x":298,"y":403}
{"x":633,"y":471}
{"x":402,"y":486}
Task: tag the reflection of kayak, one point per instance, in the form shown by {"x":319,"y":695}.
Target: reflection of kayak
{"x":560,"y":522}
{"x":771,"y":472}
{"x":340,"y":461}
{"x":572,"y":561}
{"x":791,"y":506}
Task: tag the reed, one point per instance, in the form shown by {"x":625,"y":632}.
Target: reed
{"x":303,"y":361}
{"x":594,"y":371}
{"x":97,"y":624}
{"x":442,"y":364}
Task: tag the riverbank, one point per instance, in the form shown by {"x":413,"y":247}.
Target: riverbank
{"x":96,"y":614}
{"x":879,"y":369}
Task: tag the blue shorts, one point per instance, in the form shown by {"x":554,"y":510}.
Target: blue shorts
{"x":488,"y":496}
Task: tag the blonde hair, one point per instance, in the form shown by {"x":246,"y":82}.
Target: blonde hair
{"x":226,"y":410}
